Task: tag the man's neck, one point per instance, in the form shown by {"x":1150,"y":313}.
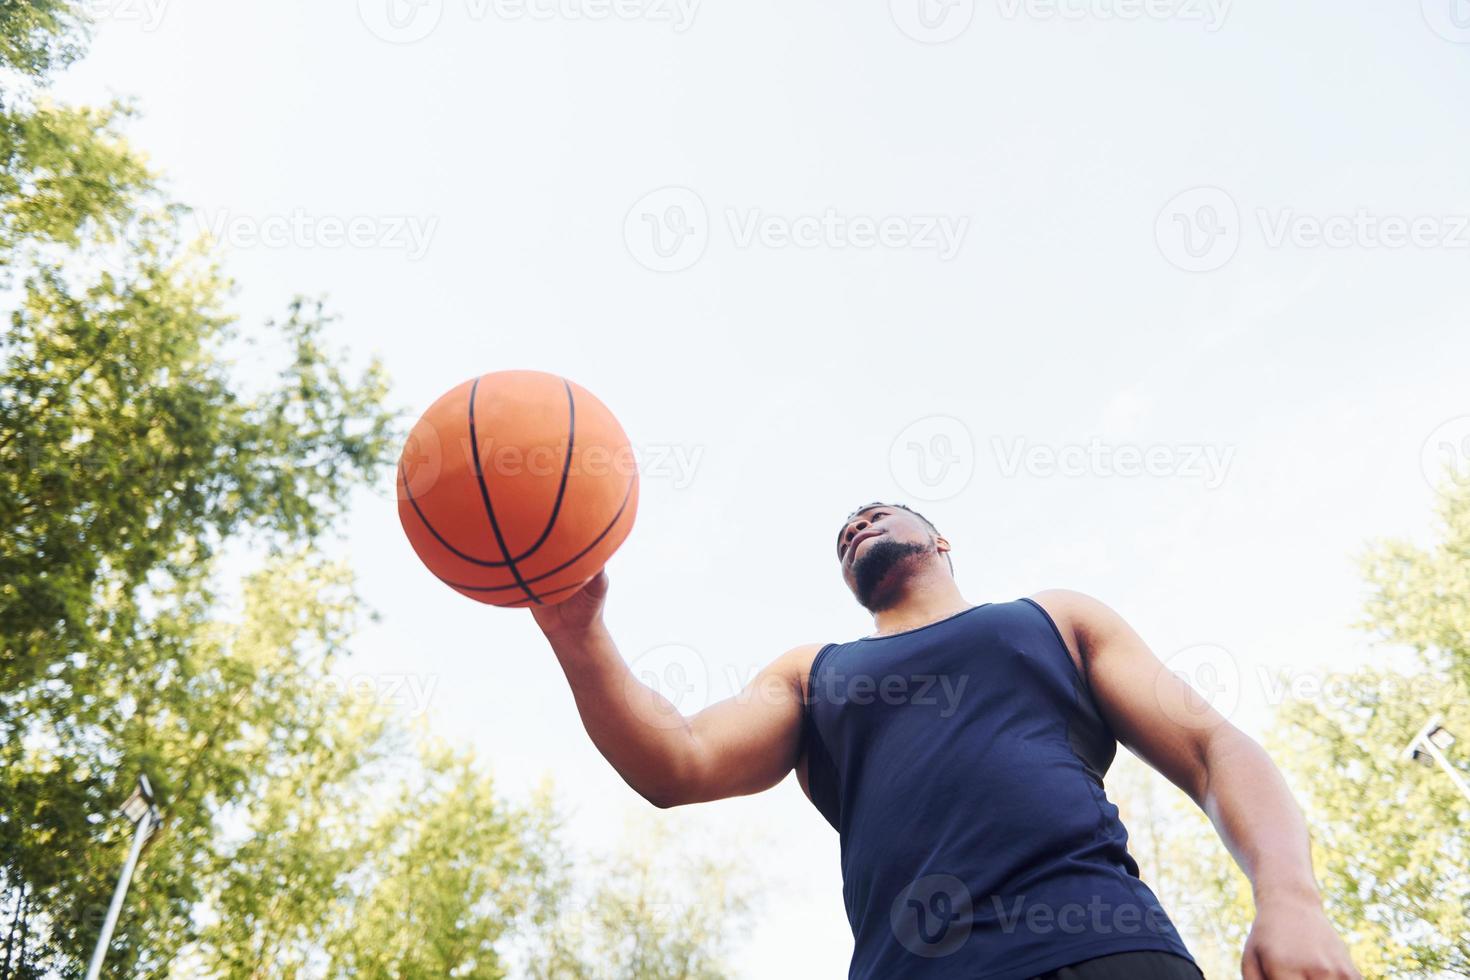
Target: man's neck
{"x":932,"y":598}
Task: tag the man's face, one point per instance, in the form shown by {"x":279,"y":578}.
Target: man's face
{"x":878,"y":547}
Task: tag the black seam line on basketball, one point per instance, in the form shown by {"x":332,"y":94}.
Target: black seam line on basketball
{"x":563,"y":588}
{"x":489,"y":508}
{"x":555,"y":510}
{"x":627,"y":494}
{"x":429,"y":526}
{"x":550,"y":592}
{"x":566,"y":468}
{"x":485,"y":562}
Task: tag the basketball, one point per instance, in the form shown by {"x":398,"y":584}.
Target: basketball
{"x":516,"y":487}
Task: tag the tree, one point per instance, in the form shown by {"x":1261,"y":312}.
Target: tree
{"x":304,"y":835}
{"x":1394,"y":838}
{"x":1391,"y":839}
{"x":1181,"y":859}
{"x":655,"y":910}
{"x":37,"y":36}
{"x":128,"y":458}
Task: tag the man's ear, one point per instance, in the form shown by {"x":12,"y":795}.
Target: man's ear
{"x":942,"y":544}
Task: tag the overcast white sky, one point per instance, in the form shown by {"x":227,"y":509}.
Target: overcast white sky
{"x":813,"y":254}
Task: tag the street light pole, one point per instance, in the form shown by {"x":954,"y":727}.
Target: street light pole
{"x":138,"y":808}
{"x":1430,"y":741}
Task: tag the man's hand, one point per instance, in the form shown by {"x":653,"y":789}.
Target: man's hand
{"x":1292,"y":940}
{"x":1162,"y":719}
{"x":577,"y":614}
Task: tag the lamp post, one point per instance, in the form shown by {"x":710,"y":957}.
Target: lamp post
{"x":1427,"y":747}
{"x":139,"y":809}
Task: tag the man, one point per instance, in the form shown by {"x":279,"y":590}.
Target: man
{"x":959,"y":751}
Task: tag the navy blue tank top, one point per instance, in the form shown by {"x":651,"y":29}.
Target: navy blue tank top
{"x":961,"y":764}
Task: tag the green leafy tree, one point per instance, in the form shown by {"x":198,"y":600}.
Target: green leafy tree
{"x":1181,"y":859}
{"x":37,"y":36}
{"x":655,"y":910}
{"x":129,"y":456}
{"x":1393,"y":837}
{"x":297,"y":842}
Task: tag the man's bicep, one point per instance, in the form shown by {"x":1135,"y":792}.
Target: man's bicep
{"x":1151,"y":710}
{"x":749,"y":742}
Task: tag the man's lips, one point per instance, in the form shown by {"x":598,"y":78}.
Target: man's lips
{"x":853,"y":546}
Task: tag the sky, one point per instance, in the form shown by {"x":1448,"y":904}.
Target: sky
{"x":1161,"y":300}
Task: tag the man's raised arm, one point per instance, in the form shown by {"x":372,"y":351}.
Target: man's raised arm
{"x":739,"y":746}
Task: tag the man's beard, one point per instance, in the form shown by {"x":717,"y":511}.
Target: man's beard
{"x":881,"y":558}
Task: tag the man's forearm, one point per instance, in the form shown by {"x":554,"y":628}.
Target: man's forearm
{"x":635,"y":728}
{"x":1251,"y":806}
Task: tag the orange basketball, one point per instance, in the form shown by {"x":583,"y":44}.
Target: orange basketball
{"x":516,"y":487}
